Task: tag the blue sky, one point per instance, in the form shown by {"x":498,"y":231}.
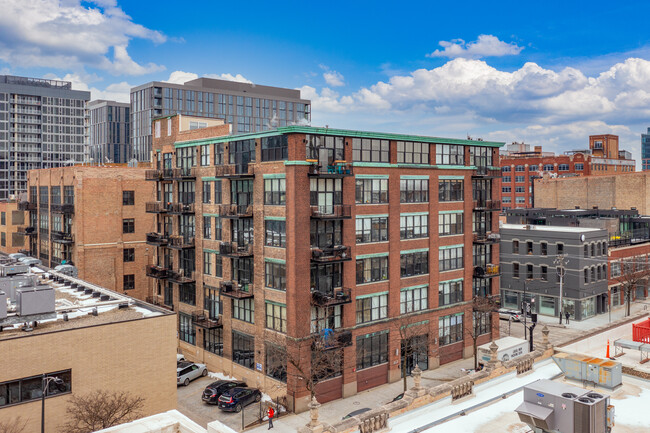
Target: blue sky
{"x":548,"y":73}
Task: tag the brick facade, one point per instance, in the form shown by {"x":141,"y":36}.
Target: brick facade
{"x":12,"y":225}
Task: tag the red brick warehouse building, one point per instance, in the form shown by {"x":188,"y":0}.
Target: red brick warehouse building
{"x":521,"y":166}
{"x":317,"y":238}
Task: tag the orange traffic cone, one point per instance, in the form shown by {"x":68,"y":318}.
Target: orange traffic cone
{"x":607,"y":348}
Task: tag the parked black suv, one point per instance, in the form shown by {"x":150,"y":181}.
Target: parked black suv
{"x":237,"y":398}
{"x":213,"y":391}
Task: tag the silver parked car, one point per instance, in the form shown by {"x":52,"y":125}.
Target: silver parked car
{"x":188,"y":371}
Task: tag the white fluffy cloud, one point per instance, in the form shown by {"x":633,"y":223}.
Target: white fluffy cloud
{"x":113,"y":92}
{"x":180,"y":77}
{"x":485,"y":46}
{"x":72,"y":34}
{"x":334,"y":79}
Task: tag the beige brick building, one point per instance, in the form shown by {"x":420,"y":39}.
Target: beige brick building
{"x":621,"y":191}
{"x":89,"y":353}
{"x":95,"y":218}
{"x":12,"y":226}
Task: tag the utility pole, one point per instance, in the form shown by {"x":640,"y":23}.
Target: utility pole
{"x":560,"y":263}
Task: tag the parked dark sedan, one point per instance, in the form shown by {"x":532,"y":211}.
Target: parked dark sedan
{"x":237,"y":398}
{"x":213,"y":391}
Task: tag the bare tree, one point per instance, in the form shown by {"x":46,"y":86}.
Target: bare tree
{"x":13,"y":425}
{"x":101,"y":409}
{"x":633,"y":273}
{"x":481,"y":306}
{"x":411,"y":334}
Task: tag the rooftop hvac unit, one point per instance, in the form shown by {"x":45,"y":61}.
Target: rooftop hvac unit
{"x":3,"y":305}
{"x":13,"y":269}
{"x":602,"y":372}
{"x":551,"y":407}
{"x":35,"y":300}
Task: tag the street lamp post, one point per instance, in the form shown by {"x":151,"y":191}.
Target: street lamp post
{"x":560,"y":262}
{"x":44,"y":386}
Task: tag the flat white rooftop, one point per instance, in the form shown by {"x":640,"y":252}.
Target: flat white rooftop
{"x":559,"y":229}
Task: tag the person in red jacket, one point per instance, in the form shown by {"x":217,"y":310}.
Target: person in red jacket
{"x":271,"y":413}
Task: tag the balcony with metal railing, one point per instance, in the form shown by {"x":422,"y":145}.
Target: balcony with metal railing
{"x":338,"y":253}
{"x":184,"y":173}
{"x":329,"y":339}
{"x":336,"y":211}
{"x":157,"y":207}
{"x":486,"y":172}
{"x":181,"y":242}
{"x":203,"y":320}
{"x":485,"y":237}
{"x":27,"y":230}
{"x":181,"y":277}
{"x":487,"y":205}
{"x":234,"y":171}
{"x":157,"y":239}
{"x":488,"y":271}
{"x":236,"y":210}
{"x":335,"y":171}
{"x":155,"y":175}
{"x":61,"y":237}
{"x":158,"y":272}
{"x":65,"y":208}
{"x":235,"y":250}
{"x":338,"y":296}
{"x":26,"y":205}
{"x":180,"y":208}
{"x":235,"y":289}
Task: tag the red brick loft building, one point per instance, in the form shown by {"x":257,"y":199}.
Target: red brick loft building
{"x":367,"y":246}
{"x":521,"y":166}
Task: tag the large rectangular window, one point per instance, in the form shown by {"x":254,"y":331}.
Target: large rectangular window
{"x":325,"y":318}
{"x":128,"y":198}
{"x":207,"y":262}
{"x":414,"y":226}
{"x":371,"y":229}
{"x":218,"y":194}
{"x":450,"y":190}
{"x":483,"y":322}
{"x":275,"y":191}
{"x":370,"y":150}
{"x":207,"y":227}
{"x":450,"y":258}
{"x":450,"y":154}
{"x":187,"y":293}
{"x":213,"y":341}
{"x":275,"y":274}
{"x":276,"y":363}
{"x":275,"y":148}
{"x":243,"y":349}
{"x":207,"y":192}
{"x":186,"y":330}
{"x":205,"y":155}
{"x":325,"y":234}
{"x":413,"y":299}
{"x":371,"y":191}
{"x":409,"y":152}
{"x":244,"y":309}
{"x":276,"y":316}
{"x":372,"y":349}
{"x":128,"y":225}
{"x":372,"y":269}
{"x":450,"y":224}
{"x":372,"y":308}
{"x":414,"y":263}
{"x":450,"y":329}
{"x":276,"y":233}
{"x":31,"y":388}
{"x":450,"y":292}
{"x":414,"y":190}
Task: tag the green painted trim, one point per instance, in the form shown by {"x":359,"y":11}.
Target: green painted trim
{"x":209,"y":179}
{"x":418,"y":250}
{"x":371,"y":256}
{"x":451,"y":177}
{"x":371,"y":176}
{"x":216,"y":215}
{"x":414,"y":177}
{"x":424,"y":322}
{"x":406,"y":289}
{"x":381,"y":215}
{"x":275,"y":303}
{"x":373,"y":164}
{"x":297,"y":163}
{"x":372,"y":295}
{"x":297,"y":129}
{"x":448,"y":247}
{"x":406,"y":165}
{"x":455,"y":167}
{"x":413,"y":213}
{"x":451,"y":281}
{"x":373,"y":334}
{"x":210,"y":251}
{"x":450,"y":211}
{"x":272,"y":260}
{"x":274,"y":176}
{"x":274,"y":218}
